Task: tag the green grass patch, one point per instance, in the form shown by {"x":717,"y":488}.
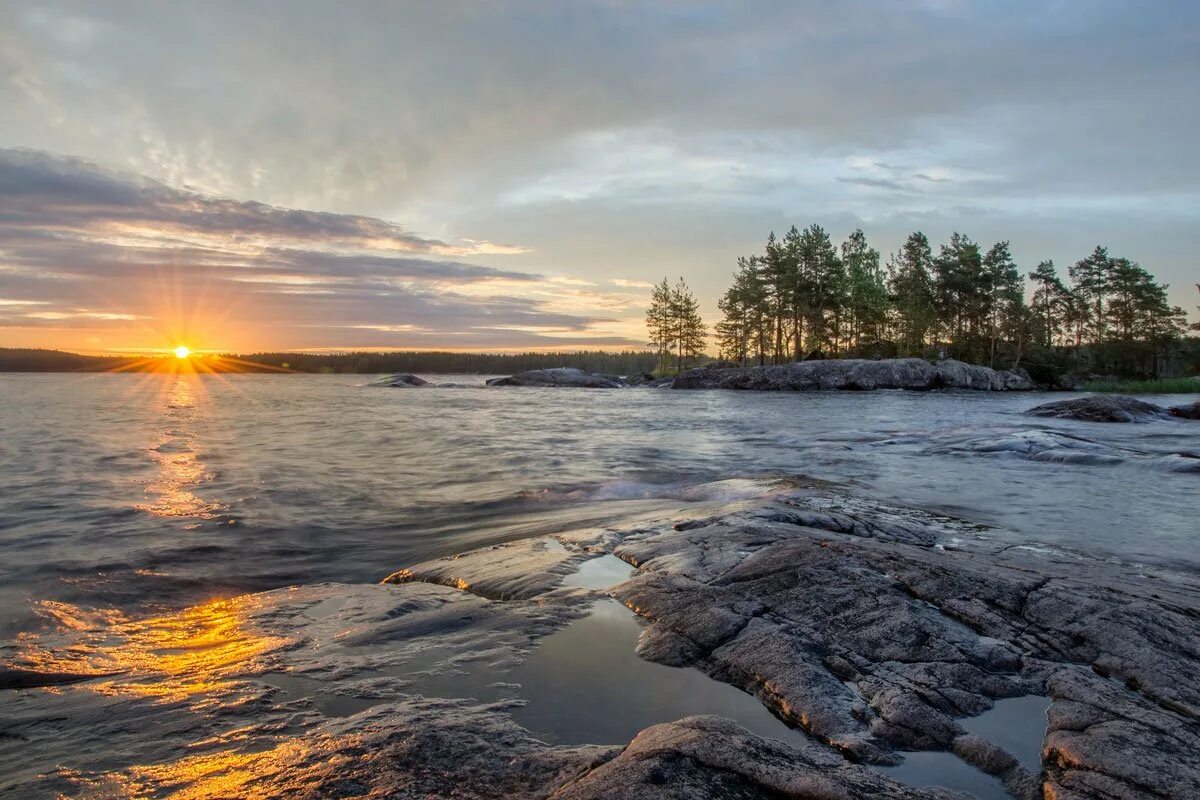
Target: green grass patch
{"x":1160,"y":386}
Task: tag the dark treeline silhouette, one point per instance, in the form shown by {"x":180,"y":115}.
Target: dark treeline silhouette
{"x":803,"y":294}
{"x":435,"y":362}
{"x":430,"y":362}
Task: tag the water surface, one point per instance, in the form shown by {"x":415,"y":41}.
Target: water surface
{"x":149,"y":492}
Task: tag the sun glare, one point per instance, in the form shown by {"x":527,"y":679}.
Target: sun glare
{"x":182,"y":352}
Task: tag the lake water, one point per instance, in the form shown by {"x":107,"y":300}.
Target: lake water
{"x":129,"y":495}
{"x":152,"y":492}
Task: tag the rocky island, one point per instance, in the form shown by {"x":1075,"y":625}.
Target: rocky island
{"x":914,"y":374}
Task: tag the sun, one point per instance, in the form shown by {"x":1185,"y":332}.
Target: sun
{"x":182,"y":352}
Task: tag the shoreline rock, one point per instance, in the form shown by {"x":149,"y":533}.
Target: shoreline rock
{"x":913,"y":374}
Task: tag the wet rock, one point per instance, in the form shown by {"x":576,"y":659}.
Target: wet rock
{"x":403,"y":381}
{"x":510,"y":571}
{"x":561,"y":377}
{"x":1056,"y":447}
{"x":1036,"y":445}
{"x":1100,"y":408}
{"x":854,"y":374}
{"x":1186,"y":412}
{"x":709,"y":757}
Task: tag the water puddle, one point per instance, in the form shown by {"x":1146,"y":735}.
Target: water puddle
{"x":600,"y":573}
{"x":1018,"y":724}
{"x":946,"y":770}
{"x":585,"y":684}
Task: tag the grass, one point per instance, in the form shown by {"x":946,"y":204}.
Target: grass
{"x":1159,"y":386}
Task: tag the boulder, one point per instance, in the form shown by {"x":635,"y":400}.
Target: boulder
{"x":954,"y":374}
{"x":1100,"y":408}
{"x":1186,"y":412}
{"x":403,"y":381}
{"x":855,"y":374}
{"x":561,"y":376}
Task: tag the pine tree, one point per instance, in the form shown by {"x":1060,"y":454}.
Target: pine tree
{"x":910,"y":290}
{"x":1090,"y":277}
{"x":687,"y":327}
{"x":866,"y":297}
{"x":1050,"y":304}
{"x":658,"y":322}
{"x":1005,"y":299}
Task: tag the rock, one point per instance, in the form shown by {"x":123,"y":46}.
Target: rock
{"x":402,"y":381}
{"x":855,"y":374}
{"x":1100,"y":408}
{"x":1186,"y":412}
{"x":639,"y":378}
{"x":954,"y":374}
{"x":561,"y":376}
{"x":710,"y":757}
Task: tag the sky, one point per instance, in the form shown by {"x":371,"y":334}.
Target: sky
{"x":499,"y":175}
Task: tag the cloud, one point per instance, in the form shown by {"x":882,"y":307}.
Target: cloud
{"x":85,"y":249}
{"x":626,"y":283}
{"x":675,"y":134}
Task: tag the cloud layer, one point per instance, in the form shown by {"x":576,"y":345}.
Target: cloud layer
{"x":84,"y":249}
{"x":615,"y":141}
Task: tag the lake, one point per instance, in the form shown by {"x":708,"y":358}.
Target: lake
{"x":149,"y":492}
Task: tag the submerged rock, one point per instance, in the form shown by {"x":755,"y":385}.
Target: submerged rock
{"x":403,"y":381}
{"x":1100,"y":408}
{"x":1186,"y":412}
{"x":855,"y":374}
{"x":561,"y":376}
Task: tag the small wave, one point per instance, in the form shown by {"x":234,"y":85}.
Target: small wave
{"x":723,"y":491}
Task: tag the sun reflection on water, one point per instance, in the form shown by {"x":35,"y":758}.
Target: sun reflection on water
{"x":180,"y":470}
{"x":167,"y":658}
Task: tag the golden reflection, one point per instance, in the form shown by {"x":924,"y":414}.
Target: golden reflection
{"x":168,"y":658}
{"x":180,"y":470}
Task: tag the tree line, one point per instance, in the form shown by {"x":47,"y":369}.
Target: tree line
{"x":803,"y":295}
{"x":424,"y":362}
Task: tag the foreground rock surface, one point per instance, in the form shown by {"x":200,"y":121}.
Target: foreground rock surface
{"x":855,"y":374}
{"x":875,"y":629}
{"x":1100,"y":408}
{"x":561,"y":377}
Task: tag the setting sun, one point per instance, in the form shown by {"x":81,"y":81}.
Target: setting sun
{"x":182,"y":352}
